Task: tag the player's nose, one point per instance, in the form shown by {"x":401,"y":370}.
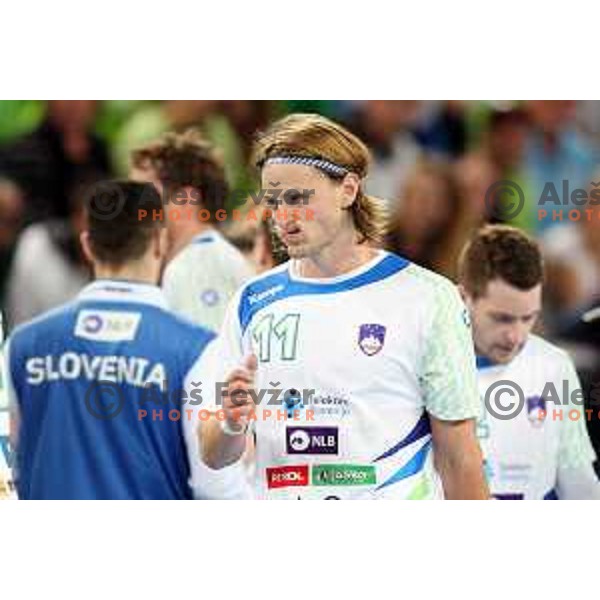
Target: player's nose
{"x":516,"y":335}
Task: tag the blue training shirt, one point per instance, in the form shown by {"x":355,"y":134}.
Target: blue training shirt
{"x":82,"y":375}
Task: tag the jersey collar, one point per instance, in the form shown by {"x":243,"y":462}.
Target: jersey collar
{"x":483,"y":362}
{"x":206,"y":237}
{"x":120,"y":290}
{"x":293,"y":267}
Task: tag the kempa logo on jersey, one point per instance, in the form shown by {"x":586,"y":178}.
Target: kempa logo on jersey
{"x":260,"y":296}
{"x":312,"y":440}
{"x":343,"y":475}
{"x":288,"y":476}
{"x":107,"y":325}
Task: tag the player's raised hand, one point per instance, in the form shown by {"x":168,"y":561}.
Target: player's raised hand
{"x":237,"y":401}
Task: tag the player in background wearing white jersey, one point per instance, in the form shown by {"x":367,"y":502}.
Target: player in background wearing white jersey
{"x":543,"y":450}
{"x":381,"y":346}
{"x":204,"y":269}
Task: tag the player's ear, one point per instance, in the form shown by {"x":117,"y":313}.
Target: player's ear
{"x":349,"y":189}
{"x":84,"y":240}
{"x":464,"y":294}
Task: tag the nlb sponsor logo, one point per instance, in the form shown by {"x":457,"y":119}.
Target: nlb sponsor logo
{"x":312,"y":440}
{"x":289,"y":476}
{"x":107,"y":325}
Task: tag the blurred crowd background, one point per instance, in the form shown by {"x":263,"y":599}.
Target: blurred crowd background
{"x":433,"y":162}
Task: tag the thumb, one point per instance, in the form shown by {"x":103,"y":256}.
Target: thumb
{"x":251,"y":362}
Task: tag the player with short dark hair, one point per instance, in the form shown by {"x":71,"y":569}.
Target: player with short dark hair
{"x":500,"y":252}
{"x":92,"y":384}
{"x":204,"y":269}
{"x":532,"y":433}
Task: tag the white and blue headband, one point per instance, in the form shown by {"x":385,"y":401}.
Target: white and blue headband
{"x":324,"y":165}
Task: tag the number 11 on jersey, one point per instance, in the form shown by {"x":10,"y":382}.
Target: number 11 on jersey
{"x":280,"y":336}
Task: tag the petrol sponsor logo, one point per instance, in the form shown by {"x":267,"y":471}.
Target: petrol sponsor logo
{"x":323,"y":475}
{"x":312,"y":440}
{"x":107,"y":325}
{"x":289,"y":476}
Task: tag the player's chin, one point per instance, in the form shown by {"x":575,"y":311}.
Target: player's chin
{"x":503,"y":357}
{"x":297,"y":250}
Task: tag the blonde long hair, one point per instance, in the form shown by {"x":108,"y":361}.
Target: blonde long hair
{"x":314,"y":136}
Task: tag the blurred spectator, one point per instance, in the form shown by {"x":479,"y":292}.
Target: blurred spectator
{"x":47,"y":162}
{"x":11,"y":219}
{"x":498,"y":157}
{"x":587,"y":116}
{"x":475,"y":174}
{"x":113,"y":114}
{"x":48,"y":267}
{"x":572,"y":255}
{"x":247,"y":117}
{"x":504,"y":141}
{"x":555,"y":151}
{"x":443,"y":129}
{"x":432,"y":222}
{"x":150,"y":121}
{"x":384,"y":125}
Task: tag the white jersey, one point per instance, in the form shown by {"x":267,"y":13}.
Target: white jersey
{"x":349,"y":369}
{"x":534,"y":454}
{"x":201,"y":279}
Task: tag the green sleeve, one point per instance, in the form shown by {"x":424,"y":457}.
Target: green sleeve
{"x":448,"y":375}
